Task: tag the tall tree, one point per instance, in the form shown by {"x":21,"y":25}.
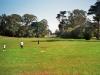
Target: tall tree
{"x":28,"y":19}
{"x":95,"y":9}
{"x":13,"y":24}
{"x":17,"y":17}
{"x":62,"y":20}
{"x":40,"y":28}
{"x":77,"y":21}
{"x":44,"y":27}
{"x":10,"y":24}
{"x":3,"y":25}
{"x":25,"y":26}
{"x":72,"y":23}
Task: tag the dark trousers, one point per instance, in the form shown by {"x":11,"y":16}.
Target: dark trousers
{"x":21,"y":46}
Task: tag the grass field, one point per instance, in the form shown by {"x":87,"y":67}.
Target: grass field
{"x":51,"y":57}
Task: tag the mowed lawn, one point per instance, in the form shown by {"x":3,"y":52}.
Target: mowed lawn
{"x":51,"y":57}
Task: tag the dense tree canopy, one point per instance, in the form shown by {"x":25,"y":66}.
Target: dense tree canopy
{"x":28,"y":19}
{"x":95,"y":9}
{"x":72,"y":24}
{"x":22,"y":26}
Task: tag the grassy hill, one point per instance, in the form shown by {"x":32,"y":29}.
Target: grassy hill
{"x":51,"y":57}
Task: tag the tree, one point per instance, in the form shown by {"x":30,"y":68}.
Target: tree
{"x":3,"y":23}
{"x":62,"y":20}
{"x":95,"y":9}
{"x":88,"y":33}
{"x":28,"y":19}
{"x":71,"y":23}
{"x":0,"y":18}
{"x":26,"y":26}
{"x":77,"y":17}
{"x":77,"y":21}
{"x":44,"y":27}
{"x":17,"y":17}
{"x":40,"y":28}
{"x":22,"y":31}
{"x":10,"y":24}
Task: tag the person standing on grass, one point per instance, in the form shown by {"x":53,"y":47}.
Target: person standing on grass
{"x":21,"y":44}
{"x":4,"y":47}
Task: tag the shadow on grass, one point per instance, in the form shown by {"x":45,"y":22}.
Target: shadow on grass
{"x":92,"y":40}
{"x":55,"y":40}
{"x":72,"y":40}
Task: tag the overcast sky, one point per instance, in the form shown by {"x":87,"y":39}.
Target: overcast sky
{"x":43,"y":9}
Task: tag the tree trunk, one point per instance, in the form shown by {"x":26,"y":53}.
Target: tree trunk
{"x":98,"y":32}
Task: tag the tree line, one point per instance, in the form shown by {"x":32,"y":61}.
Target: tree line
{"x":27,"y":25}
{"x":75,"y":24}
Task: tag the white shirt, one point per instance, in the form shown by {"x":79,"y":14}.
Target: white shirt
{"x":21,"y":43}
{"x":4,"y":46}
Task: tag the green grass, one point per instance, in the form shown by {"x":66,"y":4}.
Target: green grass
{"x":53,"y":56}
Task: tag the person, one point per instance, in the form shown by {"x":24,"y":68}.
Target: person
{"x":4,"y":46}
{"x":38,"y":42}
{"x":21,"y":44}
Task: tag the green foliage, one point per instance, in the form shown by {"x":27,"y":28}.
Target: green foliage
{"x":28,"y":19}
{"x":87,"y":36}
{"x":72,"y":25}
{"x":77,"y":33}
{"x":40,"y":28}
{"x":62,"y":20}
{"x":95,"y":9}
{"x":17,"y":26}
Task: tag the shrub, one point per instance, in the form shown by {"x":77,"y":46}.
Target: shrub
{"x":87,"y":36}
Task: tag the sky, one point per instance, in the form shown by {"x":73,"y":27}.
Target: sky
{"x":43,"y":9}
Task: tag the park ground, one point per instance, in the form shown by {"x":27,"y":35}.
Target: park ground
{"x":53,"y":56}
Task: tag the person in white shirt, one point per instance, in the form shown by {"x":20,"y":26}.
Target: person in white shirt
{"x":21,"y":44}
{"x":4,"y":46}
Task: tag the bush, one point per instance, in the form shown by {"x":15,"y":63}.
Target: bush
{"x":77,"y":33}
{"x":87,"y":36}
{"x":66,"y":35}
